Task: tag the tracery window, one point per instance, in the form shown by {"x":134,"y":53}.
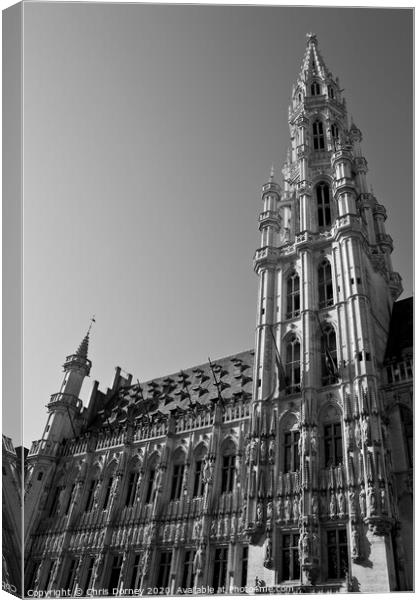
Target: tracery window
{"x":333,"y":445}
{"x":329,"y":372}
{"x":107,"y":492}
{"x":322,"y":192}
{"x":293,"y":295}
{"x":198,"y":479}
{"x":188,"y":572}
{"x":290,"y":566}
{"x":177,"y":475}
{"x":337,"y":553}
{"x":115,"y":572}
{"x":291,"y":450}
{"x":150,"y":484}
{"x":164,"y":569}
{"x":91,"y":495}
{"x":131,"y":488}
{"x":228,"y":468}
{"x":293,"y":365}
{"x":220,"y":568}
{"x":325,"y":285}
{"x":318,"y":135}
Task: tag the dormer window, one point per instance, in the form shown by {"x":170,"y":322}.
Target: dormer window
{"x":315,"y":88}
{"x":318,"y":134}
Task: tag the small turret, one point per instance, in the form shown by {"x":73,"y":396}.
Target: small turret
{"x":66,"y":405}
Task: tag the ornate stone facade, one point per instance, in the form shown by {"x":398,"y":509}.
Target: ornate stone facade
{"x":284,"y":469}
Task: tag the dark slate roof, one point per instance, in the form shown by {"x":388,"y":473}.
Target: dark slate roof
{"x":400,"y":340}
{"x":190,"y":388}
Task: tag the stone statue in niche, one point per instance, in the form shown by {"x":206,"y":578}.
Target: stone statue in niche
{"x":352,"y":502}
{"x":357,"y":434}
{"x":314,"y":440}
{"x":366,"y":430}
{"x":355,"y":541}
{"x":304,"y":546}
{"x":247,"y":452}
{"x":279,"y":510}
{"x":362,"y":502}
{"x":263,"y":450}
{"x":372,"y":501}
{"x":383,"y":501}
{"x":259,"y":512}
{"x":295,"y":508}
{"x":271,"y":451}
{"x":269,"y":510}
{"x":198,"y":563}
{"x":332,"y":504}
{"x":315,"y":505}
{"x":287,"y":509}
{"x":268,"y":553}
{"x":341,"y":504}
{"x":253,"y":453}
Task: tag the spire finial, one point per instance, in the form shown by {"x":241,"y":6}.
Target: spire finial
{"x":92,"y":321}
{"x":272,"y":173}
{"x":82,"y":350}
{"x":311,"y":38}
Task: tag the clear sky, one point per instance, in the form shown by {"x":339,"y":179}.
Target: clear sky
{"x":148,"y":133}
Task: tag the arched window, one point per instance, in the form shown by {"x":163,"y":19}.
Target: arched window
{"x":130,"y":496}
{"x":291,"y":450}
{"x":293,"y":365}
{"x":322,"y":191}
{"x":228,"y":467}
{"x":329,"y":371}
{"x":315,"y":88}
{"x":331,"y":92}
{"x":150,"y":479}
{"x":334,"y":131}
{"x":293,"y":295}
{"x":177,"y":475}
{"x":318,"y":134}
{"x":198,"y":489}
{"x":325,"y":285}
{"x":333,"y":445}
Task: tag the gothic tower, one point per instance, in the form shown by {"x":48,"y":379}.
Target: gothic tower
{"x":326,"y":292}
{"x":65,"y":421}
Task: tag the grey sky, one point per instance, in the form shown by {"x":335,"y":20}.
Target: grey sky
{"x":149,"y":131}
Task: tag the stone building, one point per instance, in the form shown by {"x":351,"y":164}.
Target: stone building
{"x":284,"y":468}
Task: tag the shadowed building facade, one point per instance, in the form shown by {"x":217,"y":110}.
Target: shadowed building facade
{"x":284,"y":468}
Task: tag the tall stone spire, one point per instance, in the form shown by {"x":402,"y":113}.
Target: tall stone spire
{"x":313,"y":63}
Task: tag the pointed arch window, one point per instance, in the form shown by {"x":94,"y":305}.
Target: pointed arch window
{"x":315,"y":88}
{"x":329,"y":371}
{"x":293,"y":295}
{"x":177,"y":476}
{"x":325,"y":285}
{"x":291,"y":450}
{"x":331,"y":92}
{"x":333,"y":445}
{"x":318,"y":135}
{"x":334,"y":131}
{"x":131,"y":488}
{"x":228,"y":468}
{"x":293,"y":365}
{"x":322,"y":192}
